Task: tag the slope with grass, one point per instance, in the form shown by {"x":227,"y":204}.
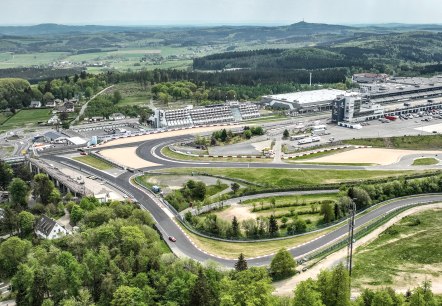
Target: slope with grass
{"x":94,"y":162}
{"x":283,"y":178}
{"x":425,"y":161}
{"x":404,"y":255}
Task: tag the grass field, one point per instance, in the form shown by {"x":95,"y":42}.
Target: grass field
{"x":3,"y":117}
{"x":178,"y":156}
{"x":425,"y":161}
{"x":292,"y":177}
{"x":422,"y":142}
{"x":26,"y":118}
{"x":403,"y":255}
{"x":7,"y":60}
{"x":94,"y":162}
{"x":132,"y":93}
{"x":295,"y":199}
{"x":250,"y":249}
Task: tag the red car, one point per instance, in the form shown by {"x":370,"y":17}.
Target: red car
{"x":171,"y":238}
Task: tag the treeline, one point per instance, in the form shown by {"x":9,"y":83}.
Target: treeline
{"x":280,"y":59}
{"x":238,"y":77}
{"x":18,"y":93}
{"x":34,"y":75}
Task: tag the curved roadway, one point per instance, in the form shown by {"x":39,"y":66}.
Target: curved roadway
{"x":151,"y":151}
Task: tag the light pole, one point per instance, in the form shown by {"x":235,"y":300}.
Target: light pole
{"x":351,"y":225}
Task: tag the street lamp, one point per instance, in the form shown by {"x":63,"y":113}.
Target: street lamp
{"x":351,"y":225}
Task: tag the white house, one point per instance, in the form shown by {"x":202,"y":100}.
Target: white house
{"x":48,"y":228}
{"x":35,"y":104}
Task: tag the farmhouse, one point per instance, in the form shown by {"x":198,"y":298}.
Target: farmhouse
{"x":48,"y":228}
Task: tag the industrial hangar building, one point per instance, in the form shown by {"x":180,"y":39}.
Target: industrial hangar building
{"x":303,"y":101}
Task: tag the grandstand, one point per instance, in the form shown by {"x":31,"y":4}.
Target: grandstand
{"x":212,"y":114}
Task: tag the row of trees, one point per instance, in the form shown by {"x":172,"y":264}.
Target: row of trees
{"x":191,"y":192}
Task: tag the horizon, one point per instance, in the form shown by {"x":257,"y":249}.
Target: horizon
{"x":223,"y":12}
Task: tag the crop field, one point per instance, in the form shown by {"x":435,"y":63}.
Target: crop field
{"x":26,"y":117}
{"x":8,"y":60}
{"x":404,"y":255}
{"x":281,"y":178}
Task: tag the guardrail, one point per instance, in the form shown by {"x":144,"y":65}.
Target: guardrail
{"x":342,"y":242}
{"x":190,"y":228}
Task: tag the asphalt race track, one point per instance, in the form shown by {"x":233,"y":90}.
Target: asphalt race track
{"x":150,"y":151}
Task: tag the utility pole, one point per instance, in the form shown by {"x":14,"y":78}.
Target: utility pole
{"x":351,"y":226}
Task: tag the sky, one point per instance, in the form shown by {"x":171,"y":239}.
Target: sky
{"x":215,"y":12}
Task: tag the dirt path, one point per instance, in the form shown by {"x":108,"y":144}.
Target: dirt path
{"x":285,"y":288}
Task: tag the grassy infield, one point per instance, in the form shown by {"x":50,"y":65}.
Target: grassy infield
{"x":94,"y":162}
{"x":26,"y":117}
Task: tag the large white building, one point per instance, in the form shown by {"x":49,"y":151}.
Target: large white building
{"x":212,"y":114}
{"x":303,"y":101}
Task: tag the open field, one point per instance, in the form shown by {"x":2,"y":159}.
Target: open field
{"x":94,"y":162}
{"x":292,"y":177}
{"x":250,"y":249}
{"x":26,"y":117}
{"x":368,"y":156}
{"x":425,"y":161}
{"x":3,"y":117}
{"x":132,"y":93}
{"x":410,"y":251}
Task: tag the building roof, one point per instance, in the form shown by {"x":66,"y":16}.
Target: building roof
{"x":35,"y":103}
{"x":52,"y":135}
{"x":77,"y":140}
{"x":45,"y":225}
{"x":306,"y":97}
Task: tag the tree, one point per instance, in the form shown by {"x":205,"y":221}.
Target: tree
{"x":12,"y":252}
{"x":306,"y":293}
{"x":223,"y":135}
{"x":241,"y":264}
{"x":43,"y":187}
{"x":381,"y":298}
{"x":26,"y":222}
{"x":300,"y":225}
{"x":127,"y":296}
{"x":235,"y":187}
{"x":423,"y":296}
{"x":77,"y":213}
{"x":235,"y":227}
{"x":63,"y":116}
{"x":282,"y":265}
{"x":117,"y":97}
{"x":286,"y":134}
{"x":202,"y":293}
{"x":18,"y":191}
{"x":327,"y":212}
{"x":334,"y":286}
{"x":360,"y":196}
{"x":88,"y":92}
{"x":48,"y":96}
{"x":248,"y":287}
{"x":6,"y":175}
{"x":273,"y":226}
{"x":247,"y":134}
